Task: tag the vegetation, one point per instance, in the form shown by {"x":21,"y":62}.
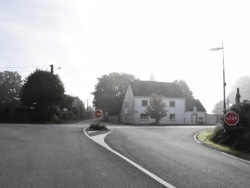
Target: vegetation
{"x":10,"y":84}
{"x":74,"y":104}
{"x":185,"y":89}
{"x":40,"y":99}
{"x":109,"y":92}
{"x":205,"y":138}
{"x":41,"y":91}
{"x":243,"y":84}
{"x":218,"y":108}
{"x":156,"y":108}
{"x":236,"y":137}
{"x":98,"y":126}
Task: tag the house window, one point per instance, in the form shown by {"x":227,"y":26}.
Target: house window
{"x":172,"y":103}
{"x":126,"y":116}
{"x":172,"y":117}
{"x":144,"y":116}
{"x":144,"y":103}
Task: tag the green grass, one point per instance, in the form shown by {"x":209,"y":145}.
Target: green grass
{"x":204,"y":137}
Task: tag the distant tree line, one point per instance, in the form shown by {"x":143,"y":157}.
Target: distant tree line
{"x":37,"y":99}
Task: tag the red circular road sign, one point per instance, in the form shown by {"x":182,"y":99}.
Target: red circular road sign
{"x":231,"y":118}
{"x":98,"y":113}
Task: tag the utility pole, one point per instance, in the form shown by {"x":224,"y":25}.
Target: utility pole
{"x":52,"y":69}
{"x":87,"y":107}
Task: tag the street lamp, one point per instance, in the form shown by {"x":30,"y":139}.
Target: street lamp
{"x":224,"y":83}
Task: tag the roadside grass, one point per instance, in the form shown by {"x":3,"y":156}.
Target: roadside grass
{"x":204,"y":137}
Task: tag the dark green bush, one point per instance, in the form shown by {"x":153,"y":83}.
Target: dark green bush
{"x":238,"y":136}
{"x":98,"y":126}
{"x":67,"y":116}
{"x":243,"y":110}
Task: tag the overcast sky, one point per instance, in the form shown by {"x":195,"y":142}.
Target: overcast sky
{"x":167,"y":38}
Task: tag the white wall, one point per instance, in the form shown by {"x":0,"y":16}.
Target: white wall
{"x":189,"y":117}
{"x":211,"y":119}
{"x":178,"y":110}
{"x":128,"y":107}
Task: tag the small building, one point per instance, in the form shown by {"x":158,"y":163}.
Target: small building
{"x":180,"y":110}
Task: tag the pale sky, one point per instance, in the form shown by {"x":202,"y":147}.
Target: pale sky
{"x":167,"y":38}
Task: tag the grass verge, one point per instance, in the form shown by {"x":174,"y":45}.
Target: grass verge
{"x":204,"y":137}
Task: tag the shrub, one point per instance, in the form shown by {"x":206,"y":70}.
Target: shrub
{"x":243,"y":110}
{"x":67,"y":116}
{"x":98,"y":126}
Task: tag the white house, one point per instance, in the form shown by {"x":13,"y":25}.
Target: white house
{"x":180,"y":110}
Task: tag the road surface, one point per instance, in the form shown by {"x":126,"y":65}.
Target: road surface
{"x":63,"y":156}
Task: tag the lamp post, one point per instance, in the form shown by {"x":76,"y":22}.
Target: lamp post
{"x":224,"y":83}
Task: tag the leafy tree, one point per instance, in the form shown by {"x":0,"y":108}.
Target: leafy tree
{"x":78,"y":108}
{"x":41,"y":91}
{"x":10,"y":84}
{"x":156,"y":109}
{"x":218,"y":108}
{"x":67,"y":102}
{"x":185,"y":89}
{"x":243,"y":84}
{"x":109,"y":92}
{"x":90,"y":112}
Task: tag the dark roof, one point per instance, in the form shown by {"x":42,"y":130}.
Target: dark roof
{"x":195,"y":102}
{"x":146,"y":88}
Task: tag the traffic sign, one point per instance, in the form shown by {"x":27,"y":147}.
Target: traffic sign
{"x":231,"y":118}
{"x":98,"y":113}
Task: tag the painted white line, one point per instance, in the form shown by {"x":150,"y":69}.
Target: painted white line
{"x":157,"y":127}
{"x":235,"y":157}
{"x":92,"y":131}
{"x":195,"y":137}
{"x":100,"y":140}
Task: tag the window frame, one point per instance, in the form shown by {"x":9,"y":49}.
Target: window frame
{"x":145,"y":115}
{"x":171,"y":117}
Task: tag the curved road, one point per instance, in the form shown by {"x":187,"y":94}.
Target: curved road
{"x":63,"y":156}
{"x":172,"y":154}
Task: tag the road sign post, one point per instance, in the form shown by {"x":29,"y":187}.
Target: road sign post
{"x":98,"y":113}
{"x":231,"y":118}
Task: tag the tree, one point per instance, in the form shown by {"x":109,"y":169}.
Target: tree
{"x":218,"y":108}
{"x":243,"y":84}
{"x":67,"y":102}
{"x":109,"y":92}
{"x":10,"y":84}
{"x":42,"y":91}
{"x":156,"y":109}
{"x":185,"y":89}
{"x":78,"y":108}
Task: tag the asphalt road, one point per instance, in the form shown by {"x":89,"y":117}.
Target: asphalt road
{"x":63,"y":156}
{"x":172,"y":154}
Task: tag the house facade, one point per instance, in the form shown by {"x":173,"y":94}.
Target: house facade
{"x":180,"y":110}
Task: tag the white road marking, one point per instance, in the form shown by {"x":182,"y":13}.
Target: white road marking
{"x":195,"y":137}
{"x":92,"y":131}
{"x":235,"y":157}
{"x":157,"y":127}
{"x":100,"y":140}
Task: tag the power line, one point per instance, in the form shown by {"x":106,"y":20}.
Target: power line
{"x":23,"y":67}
